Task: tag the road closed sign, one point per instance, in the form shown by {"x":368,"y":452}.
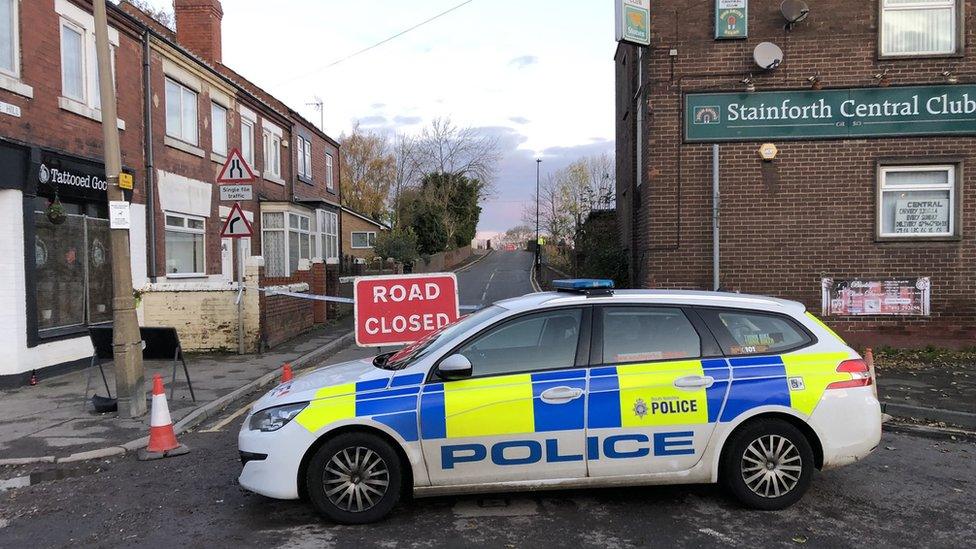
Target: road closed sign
{"x":399,"y":310}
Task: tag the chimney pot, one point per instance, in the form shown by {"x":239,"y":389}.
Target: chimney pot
{"x":198,"y":27}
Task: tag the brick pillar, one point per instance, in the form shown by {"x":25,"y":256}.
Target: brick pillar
{"x":332,"y":289}
{"x":318,"y":287}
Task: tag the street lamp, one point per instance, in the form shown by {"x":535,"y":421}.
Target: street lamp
{"x":538,"y":171}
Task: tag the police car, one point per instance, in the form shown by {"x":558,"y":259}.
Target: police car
{"x":581,"y":387}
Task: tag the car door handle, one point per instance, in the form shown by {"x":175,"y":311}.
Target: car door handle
{"x":694,"y":382}
{"x":561,"y":395}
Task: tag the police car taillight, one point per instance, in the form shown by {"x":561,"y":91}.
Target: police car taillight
{"x":859,"y":371}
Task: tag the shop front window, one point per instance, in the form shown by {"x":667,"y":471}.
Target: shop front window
{"x":73,"y":268}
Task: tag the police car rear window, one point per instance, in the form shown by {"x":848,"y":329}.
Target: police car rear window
{"x":756,"y":333}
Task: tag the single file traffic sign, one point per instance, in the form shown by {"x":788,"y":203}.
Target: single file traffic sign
{"x":402,"y":309}
{"x":236,"y":169}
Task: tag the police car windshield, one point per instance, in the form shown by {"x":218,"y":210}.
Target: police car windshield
{"x":438,"y":339}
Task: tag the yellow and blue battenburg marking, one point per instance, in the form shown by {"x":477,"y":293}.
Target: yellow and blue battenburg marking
{"x":627,"y":396}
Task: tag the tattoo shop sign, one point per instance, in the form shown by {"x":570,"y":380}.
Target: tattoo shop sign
{"x":824,"y":114}
{"x":891,"y":297}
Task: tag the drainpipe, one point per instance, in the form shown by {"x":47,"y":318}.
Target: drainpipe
{"x":150,"y":171}
{"x":716,"y":199}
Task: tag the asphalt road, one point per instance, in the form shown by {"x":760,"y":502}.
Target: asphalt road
{"x":499,"y":276}
{"x":910,"y":492}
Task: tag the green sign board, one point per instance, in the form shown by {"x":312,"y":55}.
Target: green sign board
{"x":634,"y":21}
{"x":851,"y":113}
{"x":731,"y":19}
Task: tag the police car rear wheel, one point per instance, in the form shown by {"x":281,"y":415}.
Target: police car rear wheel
{"x":354,"y":478}
{"x":768,"y":465}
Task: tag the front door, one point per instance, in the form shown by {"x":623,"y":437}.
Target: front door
{"x":521,"y":414}
{"x":654,"y":402}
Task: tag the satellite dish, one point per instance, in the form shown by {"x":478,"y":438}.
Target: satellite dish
{"x":794,"y":11}
{"x":768,"y":56}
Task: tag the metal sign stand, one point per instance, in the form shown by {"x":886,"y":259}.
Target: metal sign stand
{"x":239,"y":262}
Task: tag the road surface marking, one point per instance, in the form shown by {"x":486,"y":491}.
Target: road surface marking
{"x":484,"y":296}
{"x":223,"y":423}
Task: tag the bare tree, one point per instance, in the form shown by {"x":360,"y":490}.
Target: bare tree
{"x":406,"y":170}
{"x":554,"y":217}
{"x":443,"y":147}
{"x":368,"y":170}
{"x":161,"y":15}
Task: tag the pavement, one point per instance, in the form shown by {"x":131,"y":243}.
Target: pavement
{"x":52,"y":421}
{"x":942,"y":394}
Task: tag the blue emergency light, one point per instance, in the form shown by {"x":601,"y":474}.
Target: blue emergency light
{"x":585,"y":286}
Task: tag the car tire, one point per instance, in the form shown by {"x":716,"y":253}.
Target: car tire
{"x":768,"y":465}
{"x":354,"y":478}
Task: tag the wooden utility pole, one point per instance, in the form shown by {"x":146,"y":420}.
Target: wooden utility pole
{"x":126,"y":344}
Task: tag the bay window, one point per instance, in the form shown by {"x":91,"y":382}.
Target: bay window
{"x":185,"y":245}
{"x":181,"y":112}
{"x":917,"y":201}
{"x":920,"y":27}
{"x":328,"y":234}
{"x":286,"y":239}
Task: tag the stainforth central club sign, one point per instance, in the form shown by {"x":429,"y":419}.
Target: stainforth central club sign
{"x":869,"y":112}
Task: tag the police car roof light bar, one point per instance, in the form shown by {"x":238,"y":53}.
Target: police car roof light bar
{"x":585,"y":286}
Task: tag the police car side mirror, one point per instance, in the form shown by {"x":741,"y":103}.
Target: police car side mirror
{"x":454,"y":367}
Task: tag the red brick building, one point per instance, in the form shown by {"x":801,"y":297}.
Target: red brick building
{"x":181,"y":112}
{"x":864,"y":214}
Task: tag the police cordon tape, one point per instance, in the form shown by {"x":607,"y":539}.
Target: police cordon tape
{"x":335,"y":299}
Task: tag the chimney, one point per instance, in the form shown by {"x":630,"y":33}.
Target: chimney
{"x":198,"y":27}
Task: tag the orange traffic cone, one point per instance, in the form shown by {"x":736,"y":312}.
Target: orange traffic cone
{"x":286,"y":374}
{"x":162,"y":437}
{"x":869,"y":359}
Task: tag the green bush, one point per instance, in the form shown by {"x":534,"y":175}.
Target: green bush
{"x":398,"y":244}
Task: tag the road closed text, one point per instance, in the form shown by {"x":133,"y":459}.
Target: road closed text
{"x":395,"y":310}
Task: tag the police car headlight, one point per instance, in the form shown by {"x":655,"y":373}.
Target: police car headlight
{"x":272,"y":419}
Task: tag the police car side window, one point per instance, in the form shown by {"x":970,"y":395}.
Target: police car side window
{"x":757,"y":333}
{"x":541,"y":341}
{"x":645,"y":334}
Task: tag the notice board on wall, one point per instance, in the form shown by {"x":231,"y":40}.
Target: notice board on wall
{"x":891,"y":297}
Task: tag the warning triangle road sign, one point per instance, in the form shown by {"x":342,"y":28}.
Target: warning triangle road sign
{"x":236,"y":169}
{"x":237,"y":225}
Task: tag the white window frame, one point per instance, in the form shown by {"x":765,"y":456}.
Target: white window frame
{"x":952,"y":5}
{"x":950,"y":186}
{"x":370,"y":235}
{"x":247,"y":152}
{"x":328,"y":232}
{"x":14,"y":70}
{"x":286,"y":230}
{"x":272,"y":154}
{"x":329,"y":171}
{"x":214,"y":106}
{"x":186,"y":229}
{"x":304,"y":157}
{"x":91,"y":98}
{"x":179,"y":135}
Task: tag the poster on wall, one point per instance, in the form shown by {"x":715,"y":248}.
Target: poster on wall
{"x":893,"y":297}
{"x":731,"y":19}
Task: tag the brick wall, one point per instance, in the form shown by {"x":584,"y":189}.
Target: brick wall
{"x":353,"y":224}
{"x":819,"y":220}
{"x":284,"y":317}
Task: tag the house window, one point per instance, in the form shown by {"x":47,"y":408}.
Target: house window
{"x":329,"y":171}
{"x":272,"y":154}
{"x":181,"y":112}
{"x":919,"y":27}
{"x":284,"y":244}
{"x":304,"y":158}
{"x":218,"y":128}
{"x":917,"y":201}
{"x":9,"y":54}
{"x":185,"y":245}
{"x":79,"y":64}
{"x":363,"y":240}
{"x":247,"y":141}
{"x":328,"y":235}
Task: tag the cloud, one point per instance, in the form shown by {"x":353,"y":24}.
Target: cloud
{"x":523,"y":61}
{"x":377,"y":106}
{"x":519,"y":120}
{"x":372,"y":121}
{"x":407,"y":120}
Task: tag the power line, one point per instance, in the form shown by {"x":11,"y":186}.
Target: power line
{"x":381,"y":42}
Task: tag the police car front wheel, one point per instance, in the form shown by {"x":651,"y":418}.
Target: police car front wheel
{"x":354,"y":478}
{"x":768,"y":464}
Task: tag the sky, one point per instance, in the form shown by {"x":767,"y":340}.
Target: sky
{"x":536,"y":74}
